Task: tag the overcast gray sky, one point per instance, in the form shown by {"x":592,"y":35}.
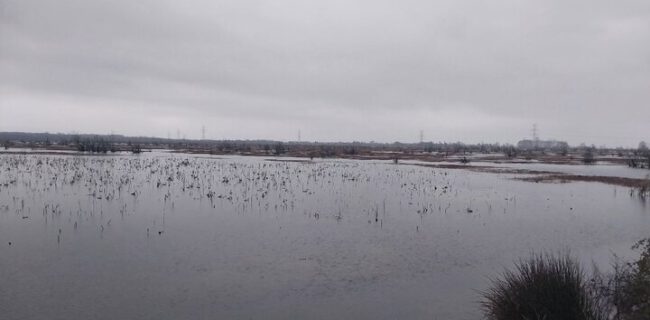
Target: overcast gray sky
{"x":337,"y":70}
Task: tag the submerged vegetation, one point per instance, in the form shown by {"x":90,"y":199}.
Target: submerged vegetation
{"x":302,"y":229}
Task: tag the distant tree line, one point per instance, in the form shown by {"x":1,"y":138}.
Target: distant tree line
{"x":94,"y":144}
{"x":638,"y":157}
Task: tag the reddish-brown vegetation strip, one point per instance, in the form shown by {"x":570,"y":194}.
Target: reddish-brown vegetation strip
{"x":619,"y":181}
{"x":290,"y":160}
{"x":549,"y":176}
{"x":488,"y":169}
{"x":54,"y":153}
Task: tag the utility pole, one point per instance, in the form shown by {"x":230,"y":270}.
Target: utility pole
{"x":298,"y":135}
{"x":421,"y":136}
{"x":203,"y":132}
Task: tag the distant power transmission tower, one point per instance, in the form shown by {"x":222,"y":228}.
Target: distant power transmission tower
{"x":535,"y":136}
{"x":203,"y":133}
{"x":299,"y":135}
{"x":421,"y":136}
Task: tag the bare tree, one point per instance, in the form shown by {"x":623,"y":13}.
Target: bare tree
{"x":644,"y":152}
{"x":588,"y":156}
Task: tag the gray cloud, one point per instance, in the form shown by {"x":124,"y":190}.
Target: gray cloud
{"x":336,"y":70}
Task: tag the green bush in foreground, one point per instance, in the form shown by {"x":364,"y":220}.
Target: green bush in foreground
{"x":544,"y":287}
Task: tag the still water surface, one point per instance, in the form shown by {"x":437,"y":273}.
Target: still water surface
{"x":163,"y":236}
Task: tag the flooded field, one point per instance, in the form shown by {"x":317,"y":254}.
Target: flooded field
{"x":173,"y":236}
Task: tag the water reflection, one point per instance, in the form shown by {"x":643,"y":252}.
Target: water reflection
{"x":176,"y":236}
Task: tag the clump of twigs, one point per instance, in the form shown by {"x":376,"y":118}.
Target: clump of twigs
{"x":542,"y":287}
{"x":626,"y":291}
